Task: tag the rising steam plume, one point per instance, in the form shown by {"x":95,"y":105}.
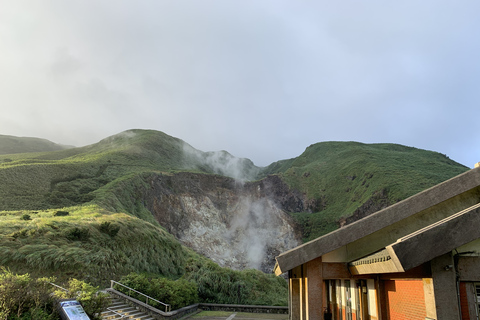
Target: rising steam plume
{"x":251,"y":230}
{"x":223,"y":163}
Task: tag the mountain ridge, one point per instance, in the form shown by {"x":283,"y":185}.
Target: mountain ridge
{"x":13,"y":145}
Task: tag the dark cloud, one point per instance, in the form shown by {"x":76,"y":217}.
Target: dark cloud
{"x":261,"y":79}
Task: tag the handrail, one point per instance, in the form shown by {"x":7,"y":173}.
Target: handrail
{"x":168,"y":307}
{"x":61,"y":288}
{"x":117,"y":313}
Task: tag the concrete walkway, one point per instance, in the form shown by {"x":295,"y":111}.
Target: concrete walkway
{"x":225,"y":315}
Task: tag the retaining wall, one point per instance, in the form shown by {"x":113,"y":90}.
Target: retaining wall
{"x":179,"y":313}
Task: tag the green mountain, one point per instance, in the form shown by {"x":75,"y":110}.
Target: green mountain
{"x":79,"y":175}
{"x":349,"y":180}
{"x":100,"y":211}
{"x":11,"y":145}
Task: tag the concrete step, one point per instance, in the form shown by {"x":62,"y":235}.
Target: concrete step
{"x":123,"y":308}
{"x":118,"y":309}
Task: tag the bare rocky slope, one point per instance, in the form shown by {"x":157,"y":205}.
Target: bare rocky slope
{"x":237,"y":224}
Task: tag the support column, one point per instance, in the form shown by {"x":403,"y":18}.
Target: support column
{"x":296,"y":294}
{"x":445,"y":288}
{"x":315,"y":289}
{"x":429,"y":294}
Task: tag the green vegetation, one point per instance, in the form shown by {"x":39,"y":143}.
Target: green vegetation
{"x":223,"y":285}
{"x":346,"y":176}
{"x":75,"y":176}
{"x":24,"y":298}
{"x":205,"y":281}
{"x":89,"y":243}
{"x":11,"y":145}
{"x":93,"y":301}
{"x":96,"y":245}
{"x":178,"y":293}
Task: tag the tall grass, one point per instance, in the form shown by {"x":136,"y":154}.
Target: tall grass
{"x":90,"y":243}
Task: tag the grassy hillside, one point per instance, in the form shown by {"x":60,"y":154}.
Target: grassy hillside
{"x":75,"y":176}
{"x":87,"y":242}
{"x":95,"y":245}
{"x":352,"y":177}
{"x":12,"y":145}
{"x":70,"y":177}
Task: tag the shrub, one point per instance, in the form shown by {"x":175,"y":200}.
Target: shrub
{"x":92,"y":300}
{"x":109,"y":228}
{"x":23,"y":297}
{"x":223,"y":285}
{"x":26,"y":217}
{"x":60,"y":213}
{"x":77,"y":234}
{"x":177,"y":293}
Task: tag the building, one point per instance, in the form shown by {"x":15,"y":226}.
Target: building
{"x":417,"y":259}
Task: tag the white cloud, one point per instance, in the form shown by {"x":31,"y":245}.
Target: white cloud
{"x":262,"y":80}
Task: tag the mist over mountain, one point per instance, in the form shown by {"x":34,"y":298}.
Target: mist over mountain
{"x":223,"y":207}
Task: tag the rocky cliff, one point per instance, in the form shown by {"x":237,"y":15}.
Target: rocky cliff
{"x":238,"y":225}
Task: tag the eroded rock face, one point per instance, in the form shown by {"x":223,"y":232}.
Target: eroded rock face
{"x":238,"y":225}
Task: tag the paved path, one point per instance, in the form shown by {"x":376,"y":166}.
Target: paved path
{"x":225,"y":315}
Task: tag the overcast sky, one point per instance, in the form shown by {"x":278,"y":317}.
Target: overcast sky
{"x":261,"y":79}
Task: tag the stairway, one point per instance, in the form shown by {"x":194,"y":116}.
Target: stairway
{"x":118,"y":309}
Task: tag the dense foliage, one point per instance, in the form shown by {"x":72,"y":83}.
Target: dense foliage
{"x":177,"y":293}
{"x":205,"y":281}
{"x":223,"y":285}
{"x":25,"y":298}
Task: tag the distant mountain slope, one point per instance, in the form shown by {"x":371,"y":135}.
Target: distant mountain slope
{"x":12,"y":145}
{"x":348,"y":180}
{"x":75,"y":176}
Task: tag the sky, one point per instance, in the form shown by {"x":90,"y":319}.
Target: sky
{"x":262,"y":79}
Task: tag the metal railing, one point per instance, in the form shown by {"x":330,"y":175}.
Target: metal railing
{"x":61,"y":288}
{"x":122,"y":316}
{"x":168,"y":308}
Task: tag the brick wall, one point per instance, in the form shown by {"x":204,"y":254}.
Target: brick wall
{"x":405,"y":299}
{"x":464,"y":301}
{"x":468,"y":300}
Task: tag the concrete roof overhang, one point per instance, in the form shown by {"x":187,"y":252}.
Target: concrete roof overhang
{"x":423,"y":245}
{"x":378,"y":221}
